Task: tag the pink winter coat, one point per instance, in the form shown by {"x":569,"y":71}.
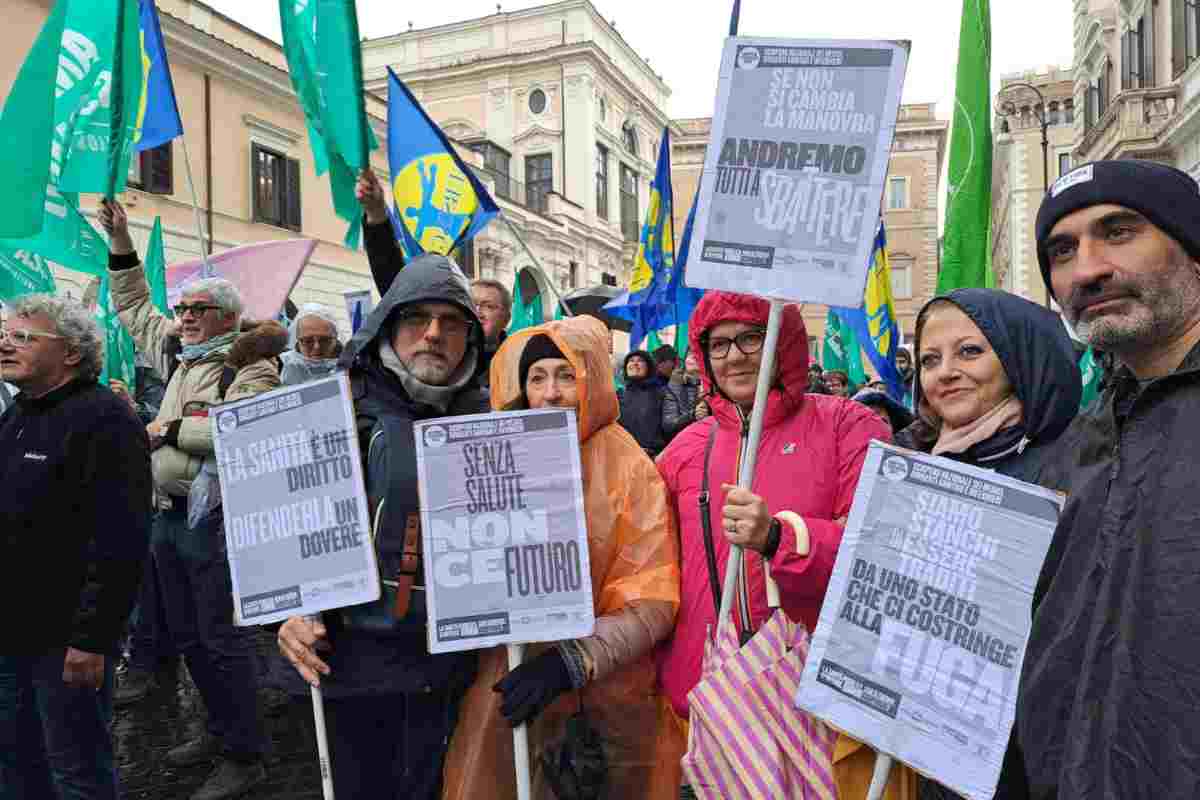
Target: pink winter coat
{"x":809,"y":459}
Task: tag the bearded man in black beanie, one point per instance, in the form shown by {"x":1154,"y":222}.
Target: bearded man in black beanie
{"x":1107,"y":704}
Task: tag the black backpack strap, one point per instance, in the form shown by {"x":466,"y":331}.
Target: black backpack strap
{"x":710,"y":552}
{"x":228,"y":373}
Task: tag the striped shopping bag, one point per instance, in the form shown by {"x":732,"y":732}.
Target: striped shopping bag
{"x":747,"y":739}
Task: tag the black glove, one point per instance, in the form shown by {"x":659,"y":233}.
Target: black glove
{"x":529,"y":688}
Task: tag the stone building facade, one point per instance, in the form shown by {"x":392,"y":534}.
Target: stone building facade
{"x":1019,"y":176}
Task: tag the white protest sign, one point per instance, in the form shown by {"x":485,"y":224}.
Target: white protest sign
{"x":296,"y":520}
{"x":503,"y":529}
{"x":921,"y":638}
{"x":358,"y":306}
{"x":795,"y":168}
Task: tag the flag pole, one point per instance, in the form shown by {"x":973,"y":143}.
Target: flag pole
{"x":561,"y":304}
{"x":735,"y":17}
{"x":187,"y":164}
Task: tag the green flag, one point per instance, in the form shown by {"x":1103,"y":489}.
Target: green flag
{"x":653,"y":342}
{"x":119,"y":351}
{"x":841,"y":350}
{"x":321,"y":42}
{"x":23,"y":272}
{"x":1092,"y":373}
{"x":156,"y":267}
{"x":524,"y":315}
{"x":67,"y":239}
{"x":967,"y":256}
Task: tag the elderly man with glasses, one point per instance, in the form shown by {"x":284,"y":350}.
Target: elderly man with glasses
{"x":74,"y":524}
{"x":221,"y":360}
{"x":391,"y":706}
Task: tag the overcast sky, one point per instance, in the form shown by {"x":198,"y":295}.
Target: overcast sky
{"x":673,"y":34}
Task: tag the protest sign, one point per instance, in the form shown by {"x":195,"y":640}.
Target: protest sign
{"x":793,"y":177}
{"x":502,"y":521}
{"x":920,"y":641}
{"x":358,"y":307}
{"x":296,"y":521}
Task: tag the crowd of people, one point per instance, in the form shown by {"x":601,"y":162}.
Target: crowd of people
{"x":95,"y":483}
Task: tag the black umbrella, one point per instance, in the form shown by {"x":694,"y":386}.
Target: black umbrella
{"x":590,"y":300}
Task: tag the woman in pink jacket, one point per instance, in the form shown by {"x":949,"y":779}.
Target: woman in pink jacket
{"x":811,"y":452}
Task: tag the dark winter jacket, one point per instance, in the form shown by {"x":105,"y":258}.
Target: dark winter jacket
{"x":679,"y":405}
{"x":1039,"y":359}
{"x":1108,"y":702}
{"x":642,"y":407}
{"x":373,"y":653}
{"x":898,"y":416}
{"x":75,"y":493}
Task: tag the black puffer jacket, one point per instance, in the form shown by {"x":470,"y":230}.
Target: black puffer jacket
{"x":372,"y":652}
{"x":1111,"y":685}
{"x":1041,"y":365}
{"x":642,"y":407}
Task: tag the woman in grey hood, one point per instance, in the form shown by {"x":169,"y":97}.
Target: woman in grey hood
{"x":313,"y":346}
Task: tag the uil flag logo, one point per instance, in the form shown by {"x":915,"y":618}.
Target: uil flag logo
{"x":440,"y":204}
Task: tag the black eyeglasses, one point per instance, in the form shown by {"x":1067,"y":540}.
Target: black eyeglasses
{"x":748,"y":342}
{"x":419,"y":322}
{"x":314,"y":342}
{"x":199,"y":309}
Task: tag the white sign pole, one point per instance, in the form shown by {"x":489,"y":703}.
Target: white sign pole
{"x":733,"y":566}
{"x":318,"y":704}
{"x":883,"y":767}
{"x":520,"y":734}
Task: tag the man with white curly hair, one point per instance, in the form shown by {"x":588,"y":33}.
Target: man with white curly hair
{"x":73,"y":539}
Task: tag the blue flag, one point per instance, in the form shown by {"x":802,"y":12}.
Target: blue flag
{"x":440,"y":204}
{"x":649,"y":304}
{"x":684,"y":298}
{"x":874,"y":322}
{"x":158,"y":114}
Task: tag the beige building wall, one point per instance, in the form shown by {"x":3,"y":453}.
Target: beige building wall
{"x":1018,"y":178}
{"x":910,"y":209}
{"x":478,"y":80}
{"x":232,"y":91}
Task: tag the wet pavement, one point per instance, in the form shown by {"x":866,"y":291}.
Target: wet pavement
{"x":174,"y":713}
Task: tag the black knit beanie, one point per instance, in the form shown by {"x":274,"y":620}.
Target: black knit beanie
{"x":537,"y":348}
{"x":1167,"y":197}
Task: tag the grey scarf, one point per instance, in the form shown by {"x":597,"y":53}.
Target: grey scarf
{"x":440,"y":397}
{"x":194,"y":352}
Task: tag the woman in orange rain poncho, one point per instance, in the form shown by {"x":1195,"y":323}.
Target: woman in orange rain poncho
{"x":634,"y":553}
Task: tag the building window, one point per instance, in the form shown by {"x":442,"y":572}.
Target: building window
{"x":539,"y":181}
{"x":276,"y":181}
{"x":601,"y":181}
{"x":1053,"y":116}
{"x":1137,"y":55}
{"x":608,"y":279}
{"x":603,"y":110}
{"x":901,"y":268}
{"x":573,"y":274}
{"x":629,"y":137}
{"x":537,"y":101}
{"x":152,"y":170}
{"x":464,"y":256}
{"x":496,"y":163}
{"x":1185,"y":34}
{"x":1069,"y":112}
{"x":631,"y":226}
{"x":1064,"y":163}
{"x":897,"y":193}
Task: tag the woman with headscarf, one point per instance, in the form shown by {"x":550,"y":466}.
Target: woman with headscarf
{"x":634,"y":555}
{"x":313,"y":346}
{"x":641,"y":402}
{"x":997,"y":382}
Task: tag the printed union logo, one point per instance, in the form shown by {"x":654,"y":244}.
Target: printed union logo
{"x":895,"y":469}
{"x":227,"y":421}
{"x":749,"y":58}
{"x":435,"y":436}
